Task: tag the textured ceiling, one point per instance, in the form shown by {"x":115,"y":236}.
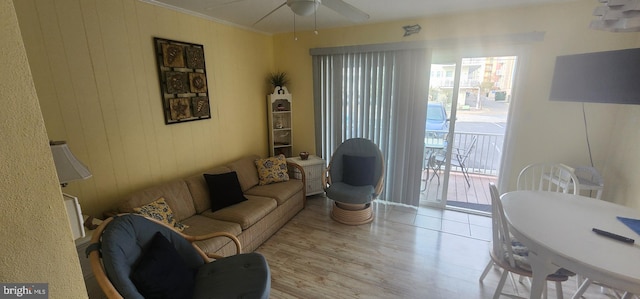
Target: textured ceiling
{"x":245,"y":13}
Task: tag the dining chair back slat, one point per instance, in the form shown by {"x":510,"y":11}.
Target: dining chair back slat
{"x":554,"y":177}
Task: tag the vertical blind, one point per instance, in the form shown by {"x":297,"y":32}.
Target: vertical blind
{"x":380,"y":96}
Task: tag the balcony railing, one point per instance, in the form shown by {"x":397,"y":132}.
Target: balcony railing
{"x":448,"y":83}
{"x":484,"y":157}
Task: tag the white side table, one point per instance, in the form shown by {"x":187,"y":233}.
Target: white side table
{"x":313,"y":168}
{"x":93,"y":289}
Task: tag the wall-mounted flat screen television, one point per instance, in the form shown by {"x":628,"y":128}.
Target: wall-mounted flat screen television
{"x":600,"y":77}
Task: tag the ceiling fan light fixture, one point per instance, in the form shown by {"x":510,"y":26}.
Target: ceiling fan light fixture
{"x":303,"y":7}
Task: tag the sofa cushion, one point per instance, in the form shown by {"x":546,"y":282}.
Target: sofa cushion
{"x":246,"y":170}
{"x":160,"y":210}
{"x":246,"y":213}
{"x":224,"y":190}
{"x":200,"y":225}
{"x":199,"y":189}
{"x":281,"y":192}
{"x":345,"y":193}
{"x":272,"y":170}
{"x":176,"y":194}
{"x":162,"y":273}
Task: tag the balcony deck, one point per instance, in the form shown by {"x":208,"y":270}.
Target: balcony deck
{"x":459,"y":194}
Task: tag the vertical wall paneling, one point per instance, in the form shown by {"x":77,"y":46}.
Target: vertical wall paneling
{"x":83,"y":98}
{"x":147,"y":142}
{"x":94,"y":69}
{"x":106,"y":167}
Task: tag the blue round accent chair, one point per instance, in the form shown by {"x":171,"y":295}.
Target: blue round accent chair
{"x":353,"y":179}
{"x":137,"y":257}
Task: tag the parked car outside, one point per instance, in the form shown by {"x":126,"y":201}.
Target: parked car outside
{"x":437,"y":120}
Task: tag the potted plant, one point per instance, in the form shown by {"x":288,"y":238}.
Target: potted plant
{"x":278,"y":79}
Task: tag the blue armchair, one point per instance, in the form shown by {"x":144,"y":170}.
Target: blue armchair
{"x":353,"y":179}
{"x":137,"y":257}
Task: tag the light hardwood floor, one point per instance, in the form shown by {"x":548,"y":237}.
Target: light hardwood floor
{"x":395,"y":256}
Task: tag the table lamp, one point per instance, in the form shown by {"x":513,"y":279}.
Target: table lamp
{"x":70,"y":169}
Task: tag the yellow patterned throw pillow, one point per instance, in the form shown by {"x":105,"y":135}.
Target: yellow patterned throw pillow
{"x":272,"y":170}
{"x":160,"y":211}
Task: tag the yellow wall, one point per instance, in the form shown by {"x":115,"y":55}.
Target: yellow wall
{"x":95,"y":77}
{"x":37,"y":245}
{"x":622,"y":164}
{"x":541,"y":130}
{"x":95,"y":73}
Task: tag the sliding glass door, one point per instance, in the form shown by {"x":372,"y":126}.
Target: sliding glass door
{"x":439,"y":128}
{"x":467,"y":110}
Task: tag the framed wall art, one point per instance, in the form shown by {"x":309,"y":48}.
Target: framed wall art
{"x":183,"y":80}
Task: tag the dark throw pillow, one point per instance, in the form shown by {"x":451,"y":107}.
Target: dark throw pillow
{"x":224,"y":190}
{"x":358,"y":170}
{"x":162,"y":273}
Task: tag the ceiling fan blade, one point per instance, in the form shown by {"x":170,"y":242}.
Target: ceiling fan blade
{"x":347,"y":10}
{"x":274,"y":10}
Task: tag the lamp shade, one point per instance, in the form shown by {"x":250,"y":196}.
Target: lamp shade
{"x":303,"y":7}
{"x":68,"y":167}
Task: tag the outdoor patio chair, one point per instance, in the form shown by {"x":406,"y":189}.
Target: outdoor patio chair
{"x":459,"y":157}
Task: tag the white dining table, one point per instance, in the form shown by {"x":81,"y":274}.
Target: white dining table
{"x":557,"y":229}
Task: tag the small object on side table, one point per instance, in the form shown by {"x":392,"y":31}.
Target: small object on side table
{"x":89,"y":224}
{"x":304,"y":155}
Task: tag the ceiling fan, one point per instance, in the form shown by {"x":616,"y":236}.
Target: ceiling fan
{"x":308,"y":7}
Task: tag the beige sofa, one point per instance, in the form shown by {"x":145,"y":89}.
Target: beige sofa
{"x":267,"y":208}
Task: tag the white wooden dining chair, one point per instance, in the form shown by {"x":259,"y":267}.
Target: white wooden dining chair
{"x":510,"y":255}
{"x":554,"y":177}
{"x":562,"y":178}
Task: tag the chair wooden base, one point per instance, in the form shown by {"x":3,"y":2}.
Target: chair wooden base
{"x":352,"y":214}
